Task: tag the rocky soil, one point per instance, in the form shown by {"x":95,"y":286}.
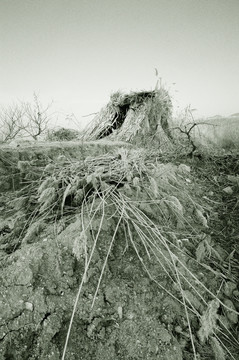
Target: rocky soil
{"x":168,"y":290}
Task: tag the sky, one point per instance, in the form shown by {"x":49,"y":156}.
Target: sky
{"x":76,"y":53}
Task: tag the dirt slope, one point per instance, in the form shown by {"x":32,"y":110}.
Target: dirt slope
{"x":151,"y":248}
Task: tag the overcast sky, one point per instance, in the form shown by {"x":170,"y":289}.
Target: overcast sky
{"x":78,"y":52}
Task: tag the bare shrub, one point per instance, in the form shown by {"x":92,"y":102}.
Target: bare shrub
{"x":24,"y":119}
{"x":11,"y":122}
{"x":36,"y":117}
{"x":62,"y":134}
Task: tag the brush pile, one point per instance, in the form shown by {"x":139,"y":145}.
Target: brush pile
{"x":134,"y":116}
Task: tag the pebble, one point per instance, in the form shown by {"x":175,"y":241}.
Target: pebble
{"x":228,"y":190}
{"x":229,"y":288}
{"x":28,"y":306}
{"x":182,"y":168}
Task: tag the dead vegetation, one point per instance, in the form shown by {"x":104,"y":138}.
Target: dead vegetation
{"x":132,"y":116}
{"x":138,"y":244}
{"x":24,"y":120}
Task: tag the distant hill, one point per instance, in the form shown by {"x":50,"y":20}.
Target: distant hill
{"x":221,"y":120}
{"x":215,"y":117}
{"x":218,"y":130}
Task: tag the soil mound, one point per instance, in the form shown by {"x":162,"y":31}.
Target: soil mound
{"x":110,"y":251}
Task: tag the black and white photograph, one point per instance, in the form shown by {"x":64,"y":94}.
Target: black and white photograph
{"x":119,"y":179}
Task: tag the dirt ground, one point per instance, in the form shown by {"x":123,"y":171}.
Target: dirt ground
{"x":131,"y":304}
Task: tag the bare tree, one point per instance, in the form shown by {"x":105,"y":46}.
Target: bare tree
{"x":11,"y":122}
{"x":36,"y":117}
{"x":24,"y":119}
{"x":186,"y":127}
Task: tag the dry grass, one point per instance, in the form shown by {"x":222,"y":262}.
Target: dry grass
{"x":149,"y":201}
{"x":151,"y":241}
{"x":130,"y":116}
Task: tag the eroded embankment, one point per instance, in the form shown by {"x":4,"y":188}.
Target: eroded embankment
{"x":131,"y":237}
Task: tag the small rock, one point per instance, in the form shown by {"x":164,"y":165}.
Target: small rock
{"x":130,"y":315}
{"x":182,"y":168}
{"x":201,"y":218}
{"x":236,"y":293}
{"x":178,"y":329}
{"x":229,"y":288}
{"x":120,"y":311}
{"x":234,"y":179}
{"x":28,"y":306}
{"x":228,"y":190}
{"x":23,"y":166}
